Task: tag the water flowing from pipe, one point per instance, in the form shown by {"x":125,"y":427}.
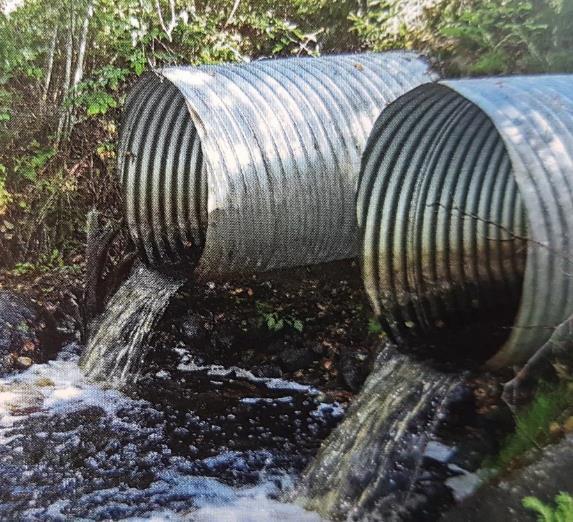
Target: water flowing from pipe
{"x":117,"y":346}
{"x":369,"y":468}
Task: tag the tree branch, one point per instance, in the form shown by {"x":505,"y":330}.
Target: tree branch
{"x":553,"y":358}
{"x":50,"y":65}
{"x":232,"y":13}
{"x":79,"y":73}
{"x":62,"y":123}
{"x":167,"y":29}
{"x":98,"y":242}
{"x":511,"y":233}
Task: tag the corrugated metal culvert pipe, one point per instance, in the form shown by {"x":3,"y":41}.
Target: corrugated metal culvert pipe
{"x":465,"y":204}
{"x":254,"y":167}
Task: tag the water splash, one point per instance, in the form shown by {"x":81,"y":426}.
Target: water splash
{"x":371,"y":464}
{"x":72,"y":450}
{"x":118,"y":345}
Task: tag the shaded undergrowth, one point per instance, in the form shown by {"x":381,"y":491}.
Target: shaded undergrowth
{"x":548,"y":417}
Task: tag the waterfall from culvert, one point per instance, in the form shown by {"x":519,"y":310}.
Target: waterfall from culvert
{"x":370,"y":467}
{"x":118,"y":343}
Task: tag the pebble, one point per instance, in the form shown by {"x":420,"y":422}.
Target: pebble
{"x":568,"y":425}
{"x":439,"y":452}
{"x":554,"y":429}
{"x":24,"y":362}
{"x":463,"y":485}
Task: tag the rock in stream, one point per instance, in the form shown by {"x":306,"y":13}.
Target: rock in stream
{"x":26,"y":333}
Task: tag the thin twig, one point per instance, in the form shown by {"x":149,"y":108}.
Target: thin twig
{"x":504,"y":229}
{"x":232,"y":13}
{"x":167,"y":29}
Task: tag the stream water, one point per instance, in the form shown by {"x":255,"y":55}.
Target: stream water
{"x":371,"y":466}
{"x":205,"y":442}
{"x":221,"y":445}
{"x":117,"y":345}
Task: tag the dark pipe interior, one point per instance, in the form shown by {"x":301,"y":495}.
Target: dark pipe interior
{"x":442,"y":219}
{"x":163,"y":175}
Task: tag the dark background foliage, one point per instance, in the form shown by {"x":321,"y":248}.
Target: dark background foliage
{"x":65,"y":68}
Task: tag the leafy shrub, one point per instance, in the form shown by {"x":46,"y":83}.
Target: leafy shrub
{"x":475,"y":37}
{"x":96,"y":94}
{"x":374,"y":326}
{"x":51,"y":261}
{"x":275,"y":321}
{"x":533,"y":424}
{"x":562,"y":512}
{"x":29,"y":165}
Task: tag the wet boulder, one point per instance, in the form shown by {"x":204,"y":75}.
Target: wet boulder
{"x":353,"y":368}
{"x":27,"y":334}
{"x":502,"y":501}
{"x":267,"y":370}
{"x":293,"y":358}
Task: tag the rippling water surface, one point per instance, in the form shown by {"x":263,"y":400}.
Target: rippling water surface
{"x":70,"y":449}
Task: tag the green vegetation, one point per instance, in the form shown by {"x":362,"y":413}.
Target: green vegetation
{"x":65,"y":68}
{"x":476,"y":37}
{"x":537,"y":424}
{"x":46,"y":262}
{"x":562,"y":512}
{"x":374,"y":326}
{"x":276,"y":321}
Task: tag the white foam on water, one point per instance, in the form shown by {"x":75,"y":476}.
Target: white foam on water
{"x":216,"y":502}
{"x":272,"y":383}
{"x":323,"y":409}
{"x":267,"y":400}
{"x":60,"y":387}
{"x":57,"y":386}
{"x":255,"y":509}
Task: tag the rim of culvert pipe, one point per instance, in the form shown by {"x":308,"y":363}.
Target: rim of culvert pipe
{"x":288,"y":127}
{"x":140,"y":144}
{"x":533,"y":116}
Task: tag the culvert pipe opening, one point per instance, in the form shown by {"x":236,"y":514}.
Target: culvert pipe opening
{"x":254,"y":167}
{"x":163,"y":175}
{"x":464,"y":212}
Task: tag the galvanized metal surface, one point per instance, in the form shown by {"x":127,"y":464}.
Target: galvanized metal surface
{"x":254,"y":166}
{"x":466,"y":205}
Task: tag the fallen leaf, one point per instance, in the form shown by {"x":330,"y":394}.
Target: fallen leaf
{"x":28,"y":346}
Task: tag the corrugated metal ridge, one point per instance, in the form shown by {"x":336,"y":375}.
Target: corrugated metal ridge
{"x":260,"y":169}
{"x":459,"y":180}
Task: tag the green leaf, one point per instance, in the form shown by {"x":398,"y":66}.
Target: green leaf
{"x":271,"y":322}
{"x":98,"y":103}
{"x":564,"y":511}
{"x":374,"y":326}
{"x":138,"y":61}
{"x":139,"y":67}
{"x":544,"y":512}
{"x":298,"y":325}
{"x":27,"y":167}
